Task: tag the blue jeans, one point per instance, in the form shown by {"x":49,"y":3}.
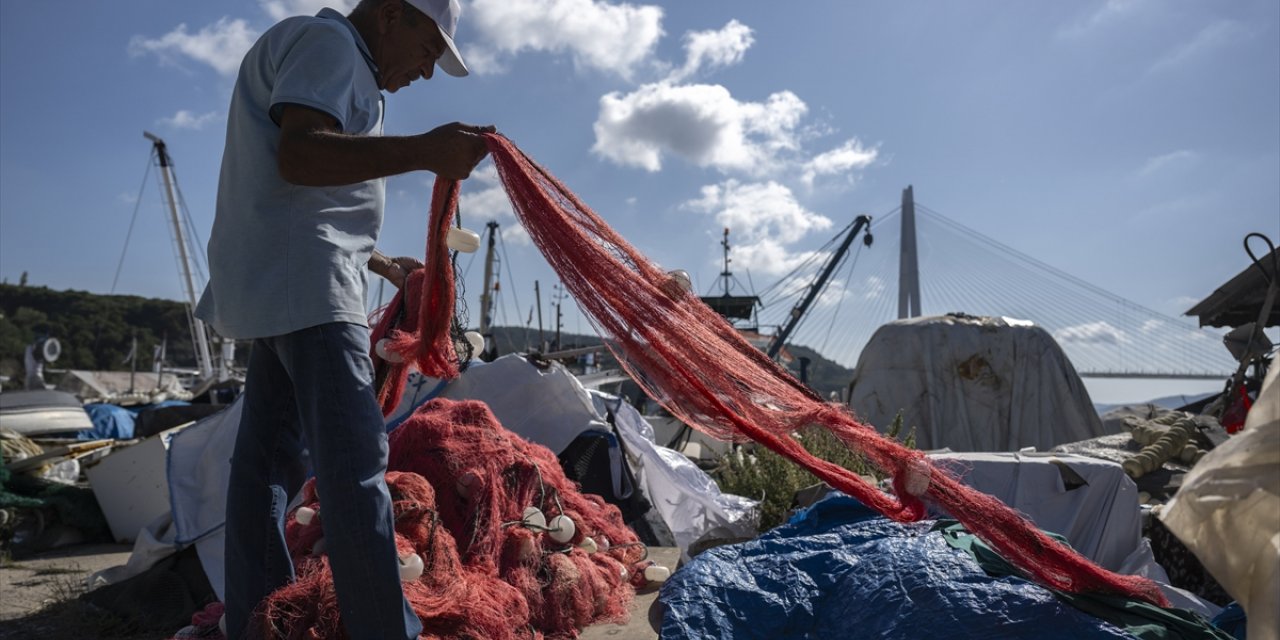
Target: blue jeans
{"x":313,"y":389}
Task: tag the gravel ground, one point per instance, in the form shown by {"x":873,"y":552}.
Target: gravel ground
{"x":38,"y":595}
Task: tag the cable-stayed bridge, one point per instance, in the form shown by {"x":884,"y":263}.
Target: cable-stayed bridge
{"x":961,"y":270}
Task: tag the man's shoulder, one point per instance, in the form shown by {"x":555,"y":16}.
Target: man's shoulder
{"x":309,"y":26}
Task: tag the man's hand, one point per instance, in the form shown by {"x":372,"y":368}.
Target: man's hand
{"x":401,"y":268}
{"x":396,"y":270}
{"x":455,"y":149}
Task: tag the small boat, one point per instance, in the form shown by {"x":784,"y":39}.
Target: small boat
{"x":40,"y":412}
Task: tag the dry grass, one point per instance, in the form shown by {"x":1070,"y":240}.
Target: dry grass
{"x":66,"y":616}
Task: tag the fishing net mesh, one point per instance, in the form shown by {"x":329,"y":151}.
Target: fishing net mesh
{"x":488,"y":575}
{"x":460,"y":484}
{"x":704,"y":372}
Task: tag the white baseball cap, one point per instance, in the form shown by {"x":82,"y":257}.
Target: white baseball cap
{"x":445,"y":13}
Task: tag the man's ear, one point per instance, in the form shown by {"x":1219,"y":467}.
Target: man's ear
{"x":389,"y":13}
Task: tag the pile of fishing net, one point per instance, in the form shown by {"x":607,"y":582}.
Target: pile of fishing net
{"x":704,"y":372}
{"x":494,"y":541}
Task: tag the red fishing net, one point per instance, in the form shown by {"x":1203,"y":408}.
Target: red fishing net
{"x":475,"y":561}
{"x":700,"y":368}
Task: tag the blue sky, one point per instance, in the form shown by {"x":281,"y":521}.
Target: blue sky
{"x":1130,"y":143}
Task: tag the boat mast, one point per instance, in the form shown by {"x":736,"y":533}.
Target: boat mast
{"x":203,"y":359}
{"x":486,"y":295}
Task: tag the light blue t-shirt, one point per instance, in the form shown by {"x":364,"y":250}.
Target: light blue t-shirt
{"x":284,"y":257}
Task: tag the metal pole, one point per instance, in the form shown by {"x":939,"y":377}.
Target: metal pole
{"x":203,"y":359}
{"x":537,"y":294}
{"x":486,"y":295}
{"x":725,"y":275}
{"x":799,"y":310}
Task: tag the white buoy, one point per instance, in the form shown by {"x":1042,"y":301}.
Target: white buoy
{"x":475,"y":340}
{"x":682,"y":279}
{"x":463,"y":240}
{"x":533,"y":517}
{"x":387,"y":354}
{"x":317,"y":549}
{"x":588,"y":545}
{"x":562,"y":529}
{"x":656,"y":573}
{"x":304,"y":515}
{"x":410,"y":567}
{"x":603,"y":544}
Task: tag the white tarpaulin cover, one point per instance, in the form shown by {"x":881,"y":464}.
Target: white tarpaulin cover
{"x":547,"y":406}
{"x":107,"y":384}
{"x":1227,"y":512}
{"x":1090,"y":502}
{"x":972,"y":384}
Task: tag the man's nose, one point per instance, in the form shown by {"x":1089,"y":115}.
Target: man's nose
{"x":428,"y":70}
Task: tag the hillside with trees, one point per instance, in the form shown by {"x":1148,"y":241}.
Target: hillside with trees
{"x":96,"y":331}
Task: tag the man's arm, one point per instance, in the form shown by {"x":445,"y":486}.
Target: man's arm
{"x":315,"y":153}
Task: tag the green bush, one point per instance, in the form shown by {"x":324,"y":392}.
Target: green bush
{"x":756,"y":472}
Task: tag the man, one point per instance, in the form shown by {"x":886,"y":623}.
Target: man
{"x":300,"y":203}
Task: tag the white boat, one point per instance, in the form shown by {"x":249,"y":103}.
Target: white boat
{"x":42,"y":412}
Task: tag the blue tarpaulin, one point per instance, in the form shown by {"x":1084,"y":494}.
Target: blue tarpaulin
{"x":109,"y":421}
{"x":112,"y":421}
{"x":840,"y":570}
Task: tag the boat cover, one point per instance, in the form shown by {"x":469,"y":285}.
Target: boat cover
{"x":109,"y":422}
{"x":972,"y":384}
{"x":840,"y":570}
{"x":109,"y":384}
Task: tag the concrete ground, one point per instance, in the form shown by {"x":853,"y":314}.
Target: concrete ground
{"x":37,"y":598}
{"x":28,"y":585}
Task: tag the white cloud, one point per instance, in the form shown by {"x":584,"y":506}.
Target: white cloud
{"x":281,"y":9}
{"x":702,"y":123}
{"x":221,"y":45}
{"x":768,"y":257}
{"x":850,"y":156}
{"x":1159,"y":163}
{"x":1109,"y":12}
{"x":1100,"y":332}
{"x":483,"y":199}
{"x":765,"y":217}
{"x":184,"y":119}
{"x":1211,"y":37}
{"x":613,"y":38}
{"x":1151,"y":324}
{"x":712,"y":49}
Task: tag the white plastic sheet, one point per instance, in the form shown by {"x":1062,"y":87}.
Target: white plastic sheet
{"x":1099,"y":518}
{"x":1228,"y":513}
